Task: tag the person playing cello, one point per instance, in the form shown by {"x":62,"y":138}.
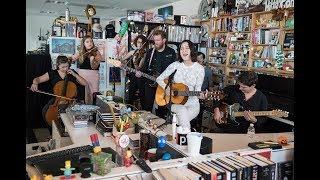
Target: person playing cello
{"x":55,"y":76}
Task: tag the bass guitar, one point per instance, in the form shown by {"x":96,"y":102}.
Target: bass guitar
{"x":230,"y":112}
{"x":120,"y":65}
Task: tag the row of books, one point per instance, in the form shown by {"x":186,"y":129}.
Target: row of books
{"x":180,"y":33}
{"x":105,"y":123}
{"x":248,"y":167}
{"x":232,"y":24}
{"x":266,"y":52}
{"x":263,"y":36}
{"x":241,"y":24}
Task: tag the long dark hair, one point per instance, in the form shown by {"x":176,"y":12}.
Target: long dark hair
{"x":193,"y":51}
{"x":143,"y":38}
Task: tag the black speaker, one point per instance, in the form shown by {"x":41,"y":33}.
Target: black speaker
{"x":206,"y":146}
{"x":85,"y":165}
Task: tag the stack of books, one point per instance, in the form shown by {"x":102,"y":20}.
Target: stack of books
{"x":105,"y":122}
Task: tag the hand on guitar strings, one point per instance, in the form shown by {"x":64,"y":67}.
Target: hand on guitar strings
{"x":217,"y":116}
{"x":138,"y":74}
{"x":204,"y":96}
{"x":249,"y":116}
{"x":34,"y":87}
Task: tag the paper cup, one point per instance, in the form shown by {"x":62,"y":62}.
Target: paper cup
{"x":194,"y":142}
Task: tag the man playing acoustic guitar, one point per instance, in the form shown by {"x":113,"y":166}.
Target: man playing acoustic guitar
{"x":249,"y":98}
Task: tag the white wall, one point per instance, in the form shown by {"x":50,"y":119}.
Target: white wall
{"x":183,"y":7}
{"x":35,"y":22}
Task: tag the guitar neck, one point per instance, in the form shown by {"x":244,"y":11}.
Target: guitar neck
{"x":189,"y":93}
{"x":255,"y":113}
{"x":132,"y":70}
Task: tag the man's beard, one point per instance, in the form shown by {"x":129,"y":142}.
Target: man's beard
{"x":158,"y":48}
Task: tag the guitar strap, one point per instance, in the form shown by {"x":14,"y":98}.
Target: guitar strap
{"x":151,"y":57}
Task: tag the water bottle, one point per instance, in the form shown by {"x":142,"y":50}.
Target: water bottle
{"x":67,"y":14}
{"x":251,"y":131}
{"x":174,"y":126}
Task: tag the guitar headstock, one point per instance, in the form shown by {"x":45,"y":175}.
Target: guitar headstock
{"x":215,"y":95}
{"x":114,"y":62}
{"x":279,"y":113}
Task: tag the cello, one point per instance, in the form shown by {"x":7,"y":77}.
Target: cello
{"x":64,"y":88}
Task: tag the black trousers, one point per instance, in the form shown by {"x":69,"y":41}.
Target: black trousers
{"x":134,"y":85}
{"x":149,"y":96}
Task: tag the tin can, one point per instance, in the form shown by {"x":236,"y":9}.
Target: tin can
{"x":144,"y":142}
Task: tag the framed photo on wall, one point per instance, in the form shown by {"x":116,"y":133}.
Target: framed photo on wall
{"x":56,"y":31}
{"x":70,"y":29}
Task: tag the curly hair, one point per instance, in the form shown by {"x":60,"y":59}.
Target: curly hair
{"x":83,"y":48}
{"x":248,"y":78}
{"x":143,"y":38}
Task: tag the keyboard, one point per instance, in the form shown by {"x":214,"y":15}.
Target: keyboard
{"x":58,"y":154}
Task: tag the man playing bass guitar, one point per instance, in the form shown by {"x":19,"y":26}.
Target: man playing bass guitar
{"x":249,"y":98}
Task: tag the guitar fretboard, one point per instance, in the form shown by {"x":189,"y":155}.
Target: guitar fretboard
{"x":152,"y":78}
{"x":188,"y":93}
{"x":256,"y":113}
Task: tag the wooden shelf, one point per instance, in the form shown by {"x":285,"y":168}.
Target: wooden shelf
{"x":286,"y":59}
{"x":217,"y":47}
{"x":254,"y":58}
{"x":274,"y":71}
{"x":240,"y":41}
{"x":241,"y":15}
{"x":217,"y":32}
{"x":238,"y":67}
{"x":267,"y":28}
{"x":288,"y":29}
{"x":241,"y":50}
{"x":288,"y":49}
{"x":240,"y":32}
{"x":217,"y":56}
{"x":217,"y":65}
{"x":264,"y":44}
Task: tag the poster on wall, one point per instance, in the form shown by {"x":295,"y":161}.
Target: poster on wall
{"x":62,"y":45}
{"x":103,"y":77}
{"x":111,"y":50}
{"x":166,"y":11}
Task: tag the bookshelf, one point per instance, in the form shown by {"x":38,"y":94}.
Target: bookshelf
{"x":253,"y":41}
{"x":175,"y":33}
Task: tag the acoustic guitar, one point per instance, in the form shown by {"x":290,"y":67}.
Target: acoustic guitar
{"x":230,"y":112}
{"x":180,"y":94}
{"x":119,"y":64}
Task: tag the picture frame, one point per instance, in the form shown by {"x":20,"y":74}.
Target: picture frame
{"x":133,"y":15}
{"x":56,"y":31}
{"x":70,"y":29}
{"x":62,"y":45}
{"x":81,"y":29}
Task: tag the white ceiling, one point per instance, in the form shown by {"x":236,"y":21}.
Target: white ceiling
{"x":106,"y":9}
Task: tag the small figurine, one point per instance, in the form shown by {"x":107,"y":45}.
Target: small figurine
{"x":47,"y":177}
{"x":68,"y":169}
{"x":34,"y":177}
{"x":128,"y":159}
{"x":161,"y":142}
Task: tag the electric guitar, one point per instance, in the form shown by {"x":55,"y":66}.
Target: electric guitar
{"x":230,"y":112}
{"x":119,"y":64}
{"x":180,"y":94}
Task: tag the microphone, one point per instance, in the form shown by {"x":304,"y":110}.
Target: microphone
{"x":170,"y":78}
